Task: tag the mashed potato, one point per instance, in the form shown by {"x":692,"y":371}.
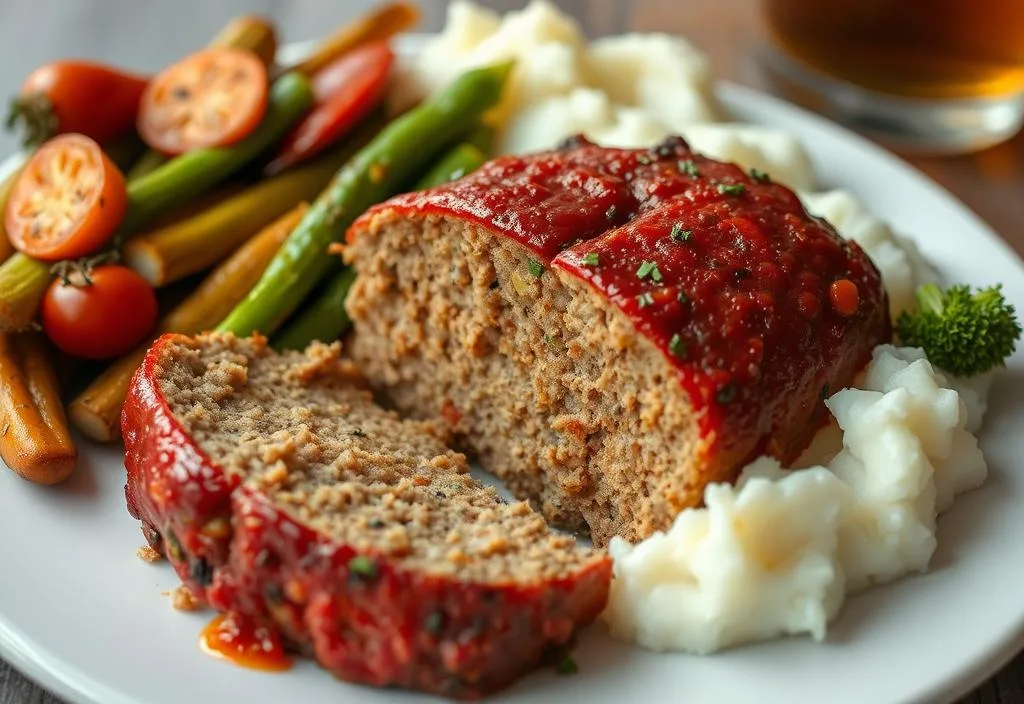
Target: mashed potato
{"x":777,"y":553}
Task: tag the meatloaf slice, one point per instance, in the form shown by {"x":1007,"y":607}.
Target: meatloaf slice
{"x":281,"y":492}
{"x":610,"y":330}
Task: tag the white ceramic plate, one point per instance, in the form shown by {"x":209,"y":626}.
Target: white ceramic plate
{"x":86,"y":618}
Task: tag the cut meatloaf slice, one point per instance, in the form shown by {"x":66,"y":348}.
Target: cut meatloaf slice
{"x":610,"y":330}
{"x":281,"y":492}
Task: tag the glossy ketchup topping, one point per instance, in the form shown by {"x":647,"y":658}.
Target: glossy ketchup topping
{"x":245,"y":643}
{"x":759,"y":306}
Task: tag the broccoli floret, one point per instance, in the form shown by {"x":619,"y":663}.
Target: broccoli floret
{"x":963,"y":333}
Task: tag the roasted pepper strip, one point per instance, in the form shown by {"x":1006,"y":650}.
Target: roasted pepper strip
{"x":34,"y":437}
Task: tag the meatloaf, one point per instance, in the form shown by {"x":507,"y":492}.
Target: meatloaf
{"x":610,"y":330}
{"x":280,"y":492}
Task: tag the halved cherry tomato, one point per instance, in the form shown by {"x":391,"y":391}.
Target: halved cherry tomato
{"x":210,"y":99}
{"x":88,"y":98}
{"x":102,"y":316}
{"x":67,"y":202}
{"x":346,"y":91}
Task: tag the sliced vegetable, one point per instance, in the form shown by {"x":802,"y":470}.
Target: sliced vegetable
{"x":392,"y":158}
{"x":97,"y":410}
{"x":323,"y":319}
{"x":88,"y":98}
{"x":963,"y":333}
{"x":252,"y":32}
{"x":346,"y":92}
{"x":379,"y":24}
{"x":99,"y":314}
{"x":67,"y":202}
{"x":6,"y":248}
{"x":23,"y":280}
{"x":461,"y":160}
{"x":34,"y":437}
{"x":212,"y":98}
{"x":192,"y":245}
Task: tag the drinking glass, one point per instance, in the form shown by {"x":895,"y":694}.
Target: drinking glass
{"x":924,"y":76}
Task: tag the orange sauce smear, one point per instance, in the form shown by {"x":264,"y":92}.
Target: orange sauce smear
{"x":244,"y":643}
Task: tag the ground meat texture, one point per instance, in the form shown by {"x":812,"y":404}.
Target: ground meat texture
{"x":611,"y":330}
{"x":359,"y":536}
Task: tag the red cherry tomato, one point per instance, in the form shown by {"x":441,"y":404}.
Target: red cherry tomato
{"x":105,"y":317}
{"x":67,"y":201}
{"x":346,"y":91}
{"x":98,"y":101}
{"x":212,"y":98}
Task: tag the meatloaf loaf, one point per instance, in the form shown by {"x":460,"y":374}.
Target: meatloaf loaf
{"x":280,"y":492}
{"x":610,"y":330}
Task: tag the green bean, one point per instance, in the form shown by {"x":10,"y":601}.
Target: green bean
{"x":389,"y":161}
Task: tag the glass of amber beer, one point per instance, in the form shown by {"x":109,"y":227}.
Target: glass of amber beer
{"x":925,"y":76}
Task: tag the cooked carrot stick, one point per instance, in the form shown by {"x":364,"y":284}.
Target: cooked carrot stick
{"x":96,"y":411}
{"x":34,"y":437}
{"x":378,"y":25}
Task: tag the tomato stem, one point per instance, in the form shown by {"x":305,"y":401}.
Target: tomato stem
{"x":35,"y":111}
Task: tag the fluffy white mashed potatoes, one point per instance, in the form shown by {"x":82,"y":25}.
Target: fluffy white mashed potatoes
{"x":777,"y":553}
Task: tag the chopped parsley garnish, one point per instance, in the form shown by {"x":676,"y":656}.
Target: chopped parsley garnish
{"x":434,"y":623}
{"x":760,"y":176}
{"x":682,"y":297}
{"x":733,"y":189}
{"x":648,"y":269}
{"x":589,"y":259}
{"x":689,"y":167}
{"x":676,"y":345}
{"x":567,"y":666}
{"x":362,"y":566}
{"x":644,"y":300}
{"x":547,"y":339}
{"x":678,"y":234}
{"x":611,"y":212}
{"x":535,"y":268}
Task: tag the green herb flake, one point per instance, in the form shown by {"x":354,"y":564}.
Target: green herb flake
{"x":689,"y":167}
{"x":589,"y":259}
{"x":676,"y":345}
{"x":434,"y":623}
{"x":567,"y":666}
{"x":682,"y":297}
{"x":648,"y":269}
{"x":678,"y":234}
{"x":732,"y":189}
{"x":727,"y":393}
{"x":535,"y":268}
{"x":760,"y":176}
{"x":362,"y":566}
{"x":644,"y":300}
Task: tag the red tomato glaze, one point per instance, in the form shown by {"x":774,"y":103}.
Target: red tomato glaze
{"x":726,"y":273}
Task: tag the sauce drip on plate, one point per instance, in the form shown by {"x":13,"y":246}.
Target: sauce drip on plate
{"x":244,"y":643}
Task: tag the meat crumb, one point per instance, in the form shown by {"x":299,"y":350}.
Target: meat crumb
{"x":183,"y":599}
{"x":148,"y":554}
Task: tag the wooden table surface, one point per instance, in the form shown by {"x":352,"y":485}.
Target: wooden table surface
{"x":149,"y":34}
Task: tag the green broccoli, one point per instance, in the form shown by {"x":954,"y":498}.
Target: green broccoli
{"x":962,"y":333}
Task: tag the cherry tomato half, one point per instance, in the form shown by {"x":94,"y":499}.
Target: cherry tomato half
{"x":104,"y":317}
{"x":210,"y":99}
{"x":88,"y":98}
{"x":346,"y":91}
{"x":67,"y":201}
